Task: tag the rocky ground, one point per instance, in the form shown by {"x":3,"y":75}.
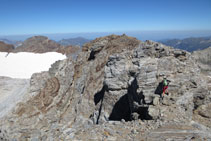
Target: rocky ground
{"x":112,"y":92}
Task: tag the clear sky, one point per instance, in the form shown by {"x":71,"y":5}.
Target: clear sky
{"x":70,"y":16}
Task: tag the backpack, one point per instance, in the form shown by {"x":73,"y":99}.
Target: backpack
{"x":165,"y":82}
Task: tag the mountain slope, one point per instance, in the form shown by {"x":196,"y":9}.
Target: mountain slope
{"x":6,"y":47}
{"x":113,"y":80}
{"x":189,"y":44}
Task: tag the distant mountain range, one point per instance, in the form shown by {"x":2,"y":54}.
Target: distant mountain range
{"x":41,"y":44}
{"x":12,"y":42}
{"x":189,"y":44}
{"x":74,"y":41}
{"x":7,"y":41}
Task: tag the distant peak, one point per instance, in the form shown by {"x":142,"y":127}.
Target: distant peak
{"x":38,"y":38}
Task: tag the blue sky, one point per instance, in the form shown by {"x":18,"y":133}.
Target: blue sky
{"x":74,"y":16}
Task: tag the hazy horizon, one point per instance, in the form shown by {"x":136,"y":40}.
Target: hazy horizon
{"x":141,"y":35}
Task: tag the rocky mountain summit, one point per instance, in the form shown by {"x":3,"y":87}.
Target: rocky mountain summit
{"x":41,"y":44}
{"x":112,"y":92}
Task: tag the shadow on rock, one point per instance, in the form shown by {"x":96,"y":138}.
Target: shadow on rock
{"x":159,"y":89}
{"x":121,"y":109}
{"x":98,"y":97}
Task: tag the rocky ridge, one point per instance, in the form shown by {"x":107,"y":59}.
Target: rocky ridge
{"x":112,"y":92}
{"x":41,"y":44}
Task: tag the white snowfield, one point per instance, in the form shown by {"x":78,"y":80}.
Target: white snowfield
{"x":24,"y":64}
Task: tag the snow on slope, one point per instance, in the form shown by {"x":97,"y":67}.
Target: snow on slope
{"x":12,"y":91}
{"x":20,"y":65}
{"x":24,"y":64}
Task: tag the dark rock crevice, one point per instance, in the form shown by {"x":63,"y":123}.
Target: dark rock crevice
{"x":121,"y":110}
{"x":91,"y":56}
{"x":93,"y":53}
{"x":138,"y":108}
{"x":98,"y":97}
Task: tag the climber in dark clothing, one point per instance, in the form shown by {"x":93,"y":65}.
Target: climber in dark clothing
{"x":165,"y":86}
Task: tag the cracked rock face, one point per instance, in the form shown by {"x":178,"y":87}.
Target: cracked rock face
{"x":112,"y":91}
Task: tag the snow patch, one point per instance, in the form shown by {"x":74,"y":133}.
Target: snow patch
{"x":24,"y":64}
{"x":12,"y":91}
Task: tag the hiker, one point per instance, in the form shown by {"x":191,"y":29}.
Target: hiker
{"x":165,"y":86}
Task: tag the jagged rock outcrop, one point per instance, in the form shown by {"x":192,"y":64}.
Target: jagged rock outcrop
{"x":112,"y":92}
{"x":6,"y":47}
{"x":134,"y":76}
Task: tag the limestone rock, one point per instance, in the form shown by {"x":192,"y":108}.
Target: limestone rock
{"x":154,"y":112}
{"x":156,"y":101}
